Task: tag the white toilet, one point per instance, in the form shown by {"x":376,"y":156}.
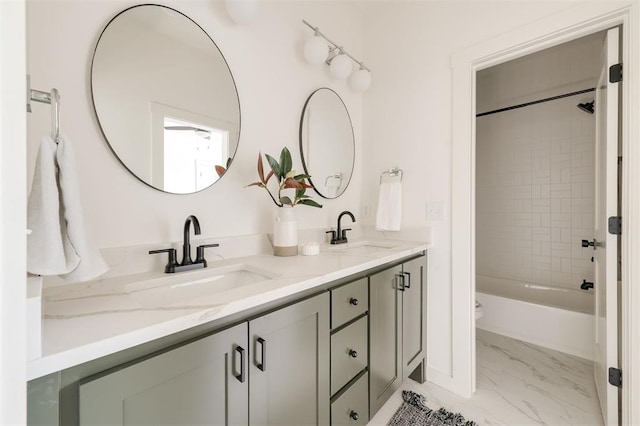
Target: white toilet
{"x":478,"y":310}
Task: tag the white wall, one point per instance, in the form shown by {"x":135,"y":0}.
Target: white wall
{"x":408,"y":123}
{"x":273,"y":83}
{"x":534,"y":167}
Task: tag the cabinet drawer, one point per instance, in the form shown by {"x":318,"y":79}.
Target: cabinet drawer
{"x":352,"y":407}
{"x":349,"y":301}
{"x":348,"y":353}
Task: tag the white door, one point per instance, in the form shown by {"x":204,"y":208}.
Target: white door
{"x":606,"y":244}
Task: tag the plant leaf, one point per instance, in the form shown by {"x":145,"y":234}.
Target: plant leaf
{"x":308,"y":202}
{"x":291,"y":174}
{"x":285,"y":161}
{"x":220,"y":170}
{"x":229,"y":160}
{"x":268,"y":177}
{"x":304,"y":185}
{"x":260,"y":168}
{"x":274,"y":166}
{"x":302,"y":176}
{"x":300,"y":193}
{"x":260,"y":184}
{"x":286,"y":200}
{"x":292,"y":183}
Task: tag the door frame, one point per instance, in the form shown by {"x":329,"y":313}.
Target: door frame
{"x":570,"y":24}
{"x":13,"y":213}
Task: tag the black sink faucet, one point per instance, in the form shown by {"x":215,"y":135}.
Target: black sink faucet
{"x":187,"y":263}
{"x":340,"y":235}
{"x":186,"y":242}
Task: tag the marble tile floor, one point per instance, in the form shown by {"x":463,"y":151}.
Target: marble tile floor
{"x":518,"y":383}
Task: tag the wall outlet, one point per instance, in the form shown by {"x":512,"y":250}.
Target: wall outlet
{"x":435,"y":210}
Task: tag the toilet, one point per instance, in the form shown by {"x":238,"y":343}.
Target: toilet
{"x":478,"y":310}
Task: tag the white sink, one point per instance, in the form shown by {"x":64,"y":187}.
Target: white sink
{"x":192,"y":286}
{"x":365,"y":247}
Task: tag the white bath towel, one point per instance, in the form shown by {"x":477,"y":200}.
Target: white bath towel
{"x":49,"y":251}
{"x":389,"y":214}
{"x":68,"y":239}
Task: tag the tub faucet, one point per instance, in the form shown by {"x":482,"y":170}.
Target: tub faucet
{"x":340,"y":236}
{"x":586,"y":285}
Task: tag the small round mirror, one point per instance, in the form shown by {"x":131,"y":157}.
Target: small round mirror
{"x":327,"y":144}
{"x":165,"y":99}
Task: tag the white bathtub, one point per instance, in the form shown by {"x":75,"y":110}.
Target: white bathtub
{"x":556,"y":318}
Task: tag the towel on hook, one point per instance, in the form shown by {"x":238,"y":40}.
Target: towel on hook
{"x":389,"y":214}
{"x":56,"y":219}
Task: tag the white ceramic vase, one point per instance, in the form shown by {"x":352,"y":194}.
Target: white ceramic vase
{"x":285,"y":233}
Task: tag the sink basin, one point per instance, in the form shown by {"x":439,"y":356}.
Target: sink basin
{"x":365,"y":247}
{"x":194,"y":286}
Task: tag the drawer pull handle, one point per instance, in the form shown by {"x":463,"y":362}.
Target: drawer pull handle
{"x":353,"y":353}
{"x":263,"y":354}
{"x":354,"y":415}
{"x":241,"y":376}
{"x":353,"y":301}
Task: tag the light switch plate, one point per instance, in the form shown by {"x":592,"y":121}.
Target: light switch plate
{"x":435,"y":210}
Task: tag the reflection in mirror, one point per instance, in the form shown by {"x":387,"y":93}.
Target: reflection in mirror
{"x":165,"y":99}
{"x":327,"y":143}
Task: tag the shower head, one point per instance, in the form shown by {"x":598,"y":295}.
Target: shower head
{"x":587,"y":107}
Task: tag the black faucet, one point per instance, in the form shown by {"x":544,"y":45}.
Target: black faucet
{"x":186,"y":241}
{"x":586,"y":285}
{"x":340,"y":235}
{"x":187,"y":263}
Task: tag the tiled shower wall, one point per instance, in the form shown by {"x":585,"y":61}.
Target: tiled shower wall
{"x":534,"y":168}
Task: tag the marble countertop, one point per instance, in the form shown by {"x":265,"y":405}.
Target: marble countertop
{"x":86,"y":321}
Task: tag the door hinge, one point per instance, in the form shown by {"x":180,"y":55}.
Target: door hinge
{"x":615,"y":225}
{"x":615,"y":377}
{"x":615,"y":73}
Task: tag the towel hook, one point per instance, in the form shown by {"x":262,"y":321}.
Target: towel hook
{"x":52,"y":98}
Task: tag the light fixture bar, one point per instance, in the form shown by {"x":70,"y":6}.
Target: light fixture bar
{"x":335,"y":45}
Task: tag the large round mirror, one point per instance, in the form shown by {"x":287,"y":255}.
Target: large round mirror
{"x":165,"y":99}
{"x":327,"y":143}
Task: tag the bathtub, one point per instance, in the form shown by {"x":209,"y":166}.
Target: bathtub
{"x":556,"y":318}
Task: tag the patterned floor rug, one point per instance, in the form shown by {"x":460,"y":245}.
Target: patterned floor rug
{"x":414,"y":412}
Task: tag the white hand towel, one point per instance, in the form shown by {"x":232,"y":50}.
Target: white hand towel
{"x":389,"y":214}
{"x":91,"y":263}
{"x":49,"y":251}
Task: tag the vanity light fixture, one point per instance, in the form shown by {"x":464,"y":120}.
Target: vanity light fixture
{"x":316,"y":51}
{"x":242,"y":11}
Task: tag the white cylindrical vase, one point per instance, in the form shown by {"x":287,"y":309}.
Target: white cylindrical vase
{"x":285,"y":233}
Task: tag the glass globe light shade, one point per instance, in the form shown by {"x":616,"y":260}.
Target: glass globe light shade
{"x":316,"y":50}
{"x":361,"y":80}
{"x":242,"y":11}
{"x":340,"y":66}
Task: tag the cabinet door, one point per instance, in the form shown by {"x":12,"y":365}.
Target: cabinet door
{"x":413,"y":314}
{"x":204,"y":382}
{"x":290,"y":365}
{"x":385,"y":336}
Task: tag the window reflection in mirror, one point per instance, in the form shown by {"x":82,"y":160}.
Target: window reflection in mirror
{"x":191,"y":152}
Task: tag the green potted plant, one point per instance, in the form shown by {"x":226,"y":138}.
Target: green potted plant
{"x":285,"y":229}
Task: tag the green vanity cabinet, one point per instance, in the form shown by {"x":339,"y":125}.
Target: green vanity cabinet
{"x":289,"y":367}
{"x":207,"y":381}
{"x":414,"y":302}
{"x":204,"y":382}
{"x":397,"y":302}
